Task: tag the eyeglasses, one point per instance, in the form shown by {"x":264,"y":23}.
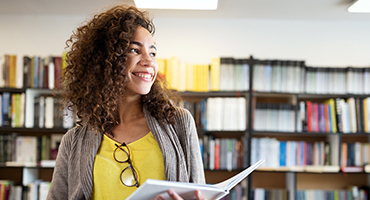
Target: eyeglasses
{"x":128,"y":175}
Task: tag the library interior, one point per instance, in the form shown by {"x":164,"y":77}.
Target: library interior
{"x":285,"y":81}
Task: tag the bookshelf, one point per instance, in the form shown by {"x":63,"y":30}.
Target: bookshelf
{"x":270,"y":113}
{"x":276,"y":113}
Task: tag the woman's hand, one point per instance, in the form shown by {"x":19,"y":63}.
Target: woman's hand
{"x":176,"y":196}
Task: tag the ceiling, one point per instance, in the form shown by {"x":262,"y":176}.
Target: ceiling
{"x":250,"y":9}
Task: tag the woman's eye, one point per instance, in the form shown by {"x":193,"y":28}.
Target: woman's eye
{"x":153,"y":54}
{"x":134,"y":50}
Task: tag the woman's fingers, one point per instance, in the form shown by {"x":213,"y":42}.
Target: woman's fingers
{"x":174,"y":195}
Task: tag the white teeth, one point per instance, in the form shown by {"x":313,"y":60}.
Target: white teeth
{"x":145,"y":75}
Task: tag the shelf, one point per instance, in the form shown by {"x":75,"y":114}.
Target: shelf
{"x":33,"y":130}
{"x":224,"y":133}
{"x":12,"y":90}
{"x":326,"y":96}
{"x":306,"y":169}
{"x":298,"y":134}
{"x":214,"y":94}
{"x":273,"y":94}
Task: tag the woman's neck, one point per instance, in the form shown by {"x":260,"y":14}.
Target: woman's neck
{"x":130,"y":108}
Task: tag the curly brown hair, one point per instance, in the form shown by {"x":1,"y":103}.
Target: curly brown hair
{"x":94,"y":79}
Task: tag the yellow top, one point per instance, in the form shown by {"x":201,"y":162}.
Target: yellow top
{"x":146,"y":158}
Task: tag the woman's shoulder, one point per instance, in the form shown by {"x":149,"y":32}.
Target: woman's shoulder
{"x":72,"y":133}
{"x":183,"y":113}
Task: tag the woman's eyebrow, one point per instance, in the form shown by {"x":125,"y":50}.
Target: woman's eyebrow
{"x":140,"y":44}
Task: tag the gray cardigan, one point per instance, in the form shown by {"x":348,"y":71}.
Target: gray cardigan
{"x":73,"y":172}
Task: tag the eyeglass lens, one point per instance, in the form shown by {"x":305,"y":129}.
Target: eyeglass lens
{"x":128,"y":175}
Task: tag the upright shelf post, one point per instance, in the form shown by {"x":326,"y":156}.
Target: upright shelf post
{"x":291,"y":182}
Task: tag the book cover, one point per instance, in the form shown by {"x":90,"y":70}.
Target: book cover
{"x":152,"y":188}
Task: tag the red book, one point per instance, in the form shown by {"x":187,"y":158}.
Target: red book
{"x":58,"y":72}
{"x":217,"y":153}
{"x":327,"y":121}
{"x":309,"y":116}
{"x":317,"y":122}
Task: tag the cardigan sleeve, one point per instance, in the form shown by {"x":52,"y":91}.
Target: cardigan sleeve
{"x":189,"y":138}
{"x":59,"y":184}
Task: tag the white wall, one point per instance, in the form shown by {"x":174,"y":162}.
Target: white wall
{"x":319,"y":43}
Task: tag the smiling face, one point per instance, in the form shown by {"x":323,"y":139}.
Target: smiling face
{"x":141,"y":65}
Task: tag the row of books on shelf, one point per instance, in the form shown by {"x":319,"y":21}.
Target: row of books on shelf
{"x":336,"y":115}
{"x":239,"y":192}
{"x":219,"y":114}
{"x":282,"y":154}
{"x":278,"y":76}
{"x":348,"y":80}
{"x":16,"y":150}
{"x":222,"y":153}
{"x":355,"y":154}
{"x":286,"y":76}
{"x":12,"y":109}
{"x":45,"y":112}
{"x":352,"y":193}
{"x":36,"y":190}
{"x":17,"y":71}
{"x":274,"y":117}
{"x":310,"y":156}
{"x":270,"y":194}
{"x":295,"y":77}
{"x":223,"y":74}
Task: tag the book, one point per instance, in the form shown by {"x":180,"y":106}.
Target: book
{"x":152,"y":188}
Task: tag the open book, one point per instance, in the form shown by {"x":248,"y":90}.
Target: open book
{"x":152,"y":188}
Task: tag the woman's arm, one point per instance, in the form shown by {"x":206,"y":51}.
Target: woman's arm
{"x":59,"y":184}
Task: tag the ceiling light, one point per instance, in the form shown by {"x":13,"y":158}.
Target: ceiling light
{"x":360,"y":6}
{"x":178,"y":4}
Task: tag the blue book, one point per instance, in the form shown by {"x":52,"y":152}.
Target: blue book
{"x":330,"y":119}
{"x":282,"y":153}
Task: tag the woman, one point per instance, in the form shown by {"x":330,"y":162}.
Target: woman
{"x":129,"y":130}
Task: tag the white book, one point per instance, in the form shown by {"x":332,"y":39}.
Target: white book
{"x":43,"y":190}
{"x":51,"y":74}
{"x":358,"y":154}
{"x":152,"y":188}
{"x":352,"y":114}
{"x":19,"y":72}
{"x":212,"y":154}
{"x":241,"y":111}
{"x":49,"y":112}
{"x":26,"y":150}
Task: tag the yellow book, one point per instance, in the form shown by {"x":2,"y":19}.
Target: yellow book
{"x":215,"y":74}
{"x":161,"y":67}
{"x":12,"y":70}
{"x":189,"y":85}
{"x":366,"y":128}
{"x":182,"y":77}
{"x":205,"y":78}
{"x":336,"y":195}
{"x":64,"y":61}
{"x":172,"y":73}
{"x":332,"y":115}
{"x":197,"y":83}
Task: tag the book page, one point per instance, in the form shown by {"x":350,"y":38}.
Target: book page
{"x":233,"y":181}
